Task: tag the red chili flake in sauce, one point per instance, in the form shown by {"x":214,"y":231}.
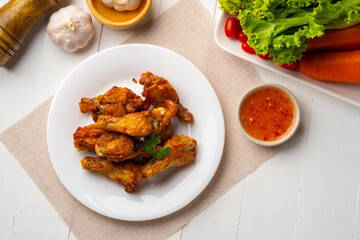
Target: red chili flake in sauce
{"x":267,"y":114}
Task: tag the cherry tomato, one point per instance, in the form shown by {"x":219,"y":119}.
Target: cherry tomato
{"x":241,"y":36}
{"x":264,"y":56}
{"x":292,"y":66}
{"x":247,"y":48}
{"x":231,"y":27}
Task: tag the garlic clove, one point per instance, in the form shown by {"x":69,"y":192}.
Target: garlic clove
{"x":122,"y":5}
{"x":109,"y":3}
{"x":120,"y":1}
{"x":71,"y":28}
{"x":133,"y":4}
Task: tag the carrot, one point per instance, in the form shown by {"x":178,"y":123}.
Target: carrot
{"x":336,"y":40}
{"x":332,"y":66}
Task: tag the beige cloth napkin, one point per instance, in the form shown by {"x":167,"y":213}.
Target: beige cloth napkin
{"x":186,"y":28}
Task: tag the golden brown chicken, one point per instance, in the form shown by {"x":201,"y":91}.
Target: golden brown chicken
{"x":111,"y":145}
{"x":157,"y":90}
{"x":139,"y":124}
{"x":108,"y":145}
{"x":118,"y":147}
{"x":85,"y":138}
{"x":165,"y":134}
{"x":115,"y":102}
{"x":128,"y":173}
{"x":183,"y":150}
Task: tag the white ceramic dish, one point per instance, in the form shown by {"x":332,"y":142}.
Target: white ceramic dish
{"x":347,"y":92}
{"x":166,"y":192}
{"x":294,"y":127}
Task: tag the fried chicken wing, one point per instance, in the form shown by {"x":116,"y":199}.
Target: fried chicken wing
{"x":127,"y":173}
{"x":157,"y":90}
{"x":139,"y":124}
{"x":115,"y":102}
{"x":165,"y":134}
{"x":107,"y":145}
{"x":183,"y":150}
{"x":85,"y":138}
{"x":117,"y":147}
{"x":133,"y":124}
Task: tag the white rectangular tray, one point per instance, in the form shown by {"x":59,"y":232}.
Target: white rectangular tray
{"x":348,"y":92}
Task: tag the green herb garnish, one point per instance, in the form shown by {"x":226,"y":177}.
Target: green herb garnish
{"x":150,"y":144}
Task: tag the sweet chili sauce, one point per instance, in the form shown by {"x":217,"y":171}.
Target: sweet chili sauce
{"x":267,"y":114}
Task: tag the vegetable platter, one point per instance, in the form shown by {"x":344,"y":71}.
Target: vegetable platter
{"x":345,"y":91}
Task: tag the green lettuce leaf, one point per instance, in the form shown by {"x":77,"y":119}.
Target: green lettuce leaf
{"x":233,"y":6}
{"x":284,"y":27}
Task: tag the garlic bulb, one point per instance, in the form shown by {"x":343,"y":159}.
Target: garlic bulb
{"x":70,"y":28}
{"x":122,"y":5}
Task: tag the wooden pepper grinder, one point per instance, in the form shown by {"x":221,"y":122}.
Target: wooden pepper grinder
{"x":16,"y":19}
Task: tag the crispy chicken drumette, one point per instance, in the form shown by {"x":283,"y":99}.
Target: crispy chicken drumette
{"x":183,"y":150}
{"x":157,"y":90}
{"x":112,"y":146}
{"x":139,"y":124}
{"x":128,"y":173}
{"x":107,"y":145}
{"x":118,"y":147}
{"x":85,"y":138}
{"x":115,"y":102}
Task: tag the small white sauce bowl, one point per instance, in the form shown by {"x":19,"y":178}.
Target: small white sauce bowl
{"x":293,"y":127}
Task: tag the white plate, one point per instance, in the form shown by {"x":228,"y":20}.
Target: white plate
{"x":166,"y":192}
{"x":345,"y":91}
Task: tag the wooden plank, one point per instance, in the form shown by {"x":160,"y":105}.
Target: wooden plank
{"x":271,"y":192}
{"x":220,"y":220}
{"x":356,"y":227}
{"x":166,"y":4}
{"x":11,"y":175}
{"x":270,"y":200}
{"x":308,"y":191}
{"x":16,"y":99}
{"x":34,"y":208}
{"x":55,"y":63}
{"x":16,"y":81}
{"x":331,"y":172}
{"x":32,"y":76}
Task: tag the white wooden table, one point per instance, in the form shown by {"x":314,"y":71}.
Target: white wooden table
{"x":308,"y":191}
